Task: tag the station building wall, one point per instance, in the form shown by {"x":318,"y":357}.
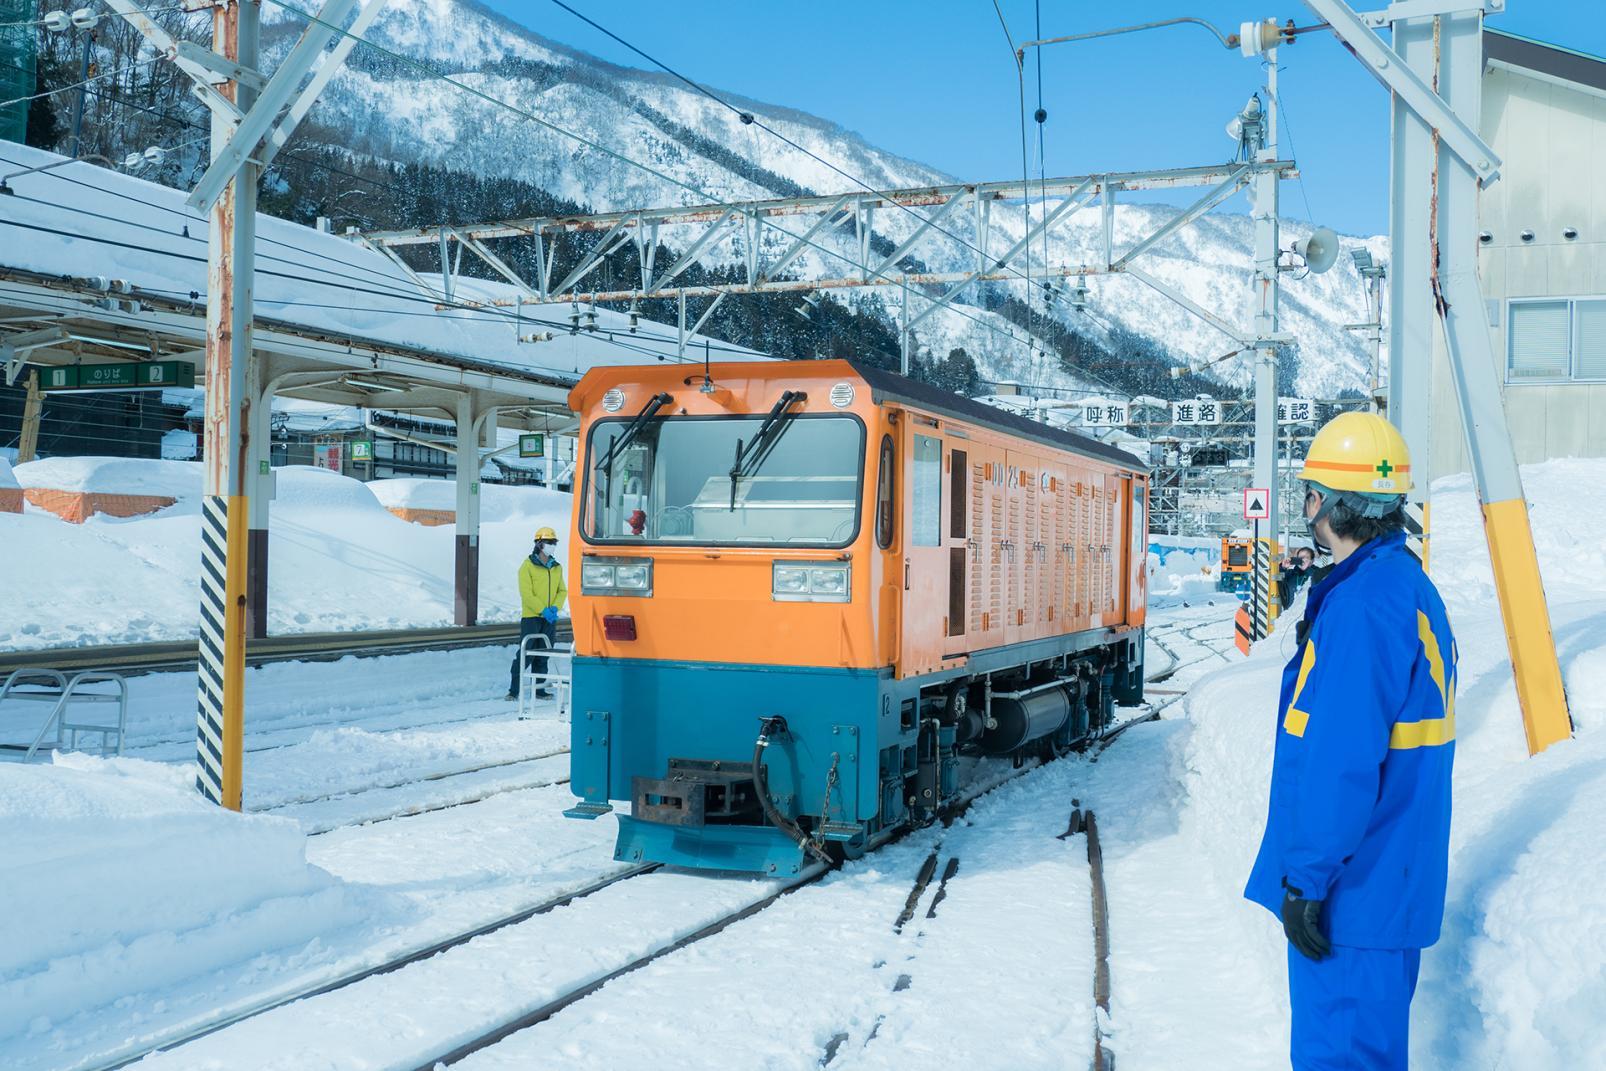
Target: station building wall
{"x":1545,"y":295}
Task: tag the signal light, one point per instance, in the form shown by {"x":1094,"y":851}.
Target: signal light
{"x":619,"y":626}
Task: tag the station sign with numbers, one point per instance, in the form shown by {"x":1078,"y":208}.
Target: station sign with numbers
{"x":129,"y":375}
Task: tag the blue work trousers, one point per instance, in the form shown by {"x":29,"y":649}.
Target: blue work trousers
{"x":532,"y":626}
{"x":1352,"y":1010}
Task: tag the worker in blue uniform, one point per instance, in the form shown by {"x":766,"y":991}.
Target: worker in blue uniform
{"x":541,"y":595}
{"x":1355,"y":853}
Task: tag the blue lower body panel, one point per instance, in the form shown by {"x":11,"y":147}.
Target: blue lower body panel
{"x":634,"y":721}
{"x":676,"y":740}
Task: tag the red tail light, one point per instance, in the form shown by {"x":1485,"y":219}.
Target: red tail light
{"x":619,"y":626}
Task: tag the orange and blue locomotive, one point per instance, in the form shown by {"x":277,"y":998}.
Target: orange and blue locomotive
{"x":809,"y":590}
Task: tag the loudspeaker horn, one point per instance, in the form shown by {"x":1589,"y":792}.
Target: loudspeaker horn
{"x":1320,"y":250}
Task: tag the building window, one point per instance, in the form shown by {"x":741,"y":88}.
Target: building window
{"x":1556,"y":340}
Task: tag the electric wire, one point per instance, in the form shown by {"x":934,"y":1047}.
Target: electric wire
{"x":84,"y":82}
{"x":703,"y":196}
{"x":1293,"y":154}
{"x":1025,"y":172}
{"x":425,"y":69}
{"x":287,"y":154}
{"x":748,"y":118}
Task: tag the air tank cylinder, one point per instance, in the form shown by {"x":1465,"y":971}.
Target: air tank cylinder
{"x":1021,"y":717}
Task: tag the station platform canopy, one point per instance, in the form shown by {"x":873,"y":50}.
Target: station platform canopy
{"x":100,"y":266}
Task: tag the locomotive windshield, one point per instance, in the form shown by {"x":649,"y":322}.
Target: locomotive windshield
{"x":672,"y":483}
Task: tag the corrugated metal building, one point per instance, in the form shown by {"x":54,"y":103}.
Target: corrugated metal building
{"x":1542,"y":254}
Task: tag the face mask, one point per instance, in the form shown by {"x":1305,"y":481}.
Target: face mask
{"x":1310,"y":526}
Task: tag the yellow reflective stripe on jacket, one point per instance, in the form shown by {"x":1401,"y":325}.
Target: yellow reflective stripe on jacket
{"x":1296,"y":720}
{"x":1429,"y":732}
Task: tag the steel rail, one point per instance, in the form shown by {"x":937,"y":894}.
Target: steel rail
{"x":269,"y":1004}
{"x":807,"y":877}
{"x":307,"y":646}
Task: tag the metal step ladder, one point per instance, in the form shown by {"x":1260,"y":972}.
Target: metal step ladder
{"x":65,"y":694}
{"x":558,"y":677}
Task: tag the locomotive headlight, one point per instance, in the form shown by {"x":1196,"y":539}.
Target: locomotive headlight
{"x":829,"y":582}
{"x":791,"y":580}
{"x":596,"y":579}
{"x":616,"y":576}
{"x":633,"y":577}
{"x":809,"y":582}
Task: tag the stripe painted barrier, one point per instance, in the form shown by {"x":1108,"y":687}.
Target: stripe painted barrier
{"x":1242,"y":636}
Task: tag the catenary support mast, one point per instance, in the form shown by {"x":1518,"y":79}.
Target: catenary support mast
{"x":231,"y":259}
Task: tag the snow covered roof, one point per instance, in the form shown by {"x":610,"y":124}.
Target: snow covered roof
{"x":83,"y":221}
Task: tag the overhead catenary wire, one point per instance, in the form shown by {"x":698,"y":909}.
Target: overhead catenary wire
{"x":703,"y":196}
{"x":288,"y":154}
{"x":83,"y":82}
{"x":748,"y":118}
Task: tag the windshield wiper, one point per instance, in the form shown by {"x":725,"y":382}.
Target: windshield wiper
{"x":626,"y":437}
{"x":750,"y":456}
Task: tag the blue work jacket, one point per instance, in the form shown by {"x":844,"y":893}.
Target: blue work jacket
{"x":1360,"y":780}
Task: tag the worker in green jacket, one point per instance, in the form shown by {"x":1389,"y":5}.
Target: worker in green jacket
{"x":541,"y":594}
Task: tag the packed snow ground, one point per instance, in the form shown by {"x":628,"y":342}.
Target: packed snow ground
{"x":338,"y":561}
{"x":1000,"y":976}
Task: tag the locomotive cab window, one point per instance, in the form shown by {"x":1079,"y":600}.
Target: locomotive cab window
{"x":885,"y":503}
{"x":725,"y":481}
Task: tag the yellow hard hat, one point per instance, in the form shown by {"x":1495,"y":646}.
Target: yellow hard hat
{"x":1359,"y":452}
{"x":547,"y":534}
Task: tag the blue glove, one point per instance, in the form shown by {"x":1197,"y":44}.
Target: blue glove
{"x":551,"y":614}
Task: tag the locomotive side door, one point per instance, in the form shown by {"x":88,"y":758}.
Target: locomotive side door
{"x":1118,"y":490}
{"x":925,"y":558}
{"x":1138,"y":570}
{"x":959,"y":516}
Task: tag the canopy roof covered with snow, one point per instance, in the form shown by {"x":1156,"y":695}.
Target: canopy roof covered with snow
{"x":117,"y":260}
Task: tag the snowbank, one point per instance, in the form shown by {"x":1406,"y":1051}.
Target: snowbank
{"x":1516,"y":981}
{"x":118,"y":880}
{"x":8,"y":478}
{"x":498,"y":502}
{"x":338,"y":561}
{"x":113,"y":476}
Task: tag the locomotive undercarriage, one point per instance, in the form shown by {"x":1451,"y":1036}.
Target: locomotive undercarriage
{"x":1039,"y":709}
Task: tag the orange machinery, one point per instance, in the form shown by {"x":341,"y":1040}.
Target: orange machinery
{"x":807,"y":587}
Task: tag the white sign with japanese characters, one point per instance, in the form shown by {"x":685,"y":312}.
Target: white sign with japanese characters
{"x":1196,"y":411}
{"x":1104,"y":412}
{"x":1295,"y":410}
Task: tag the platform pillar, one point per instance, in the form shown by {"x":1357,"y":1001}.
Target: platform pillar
{"x":466,"y":570}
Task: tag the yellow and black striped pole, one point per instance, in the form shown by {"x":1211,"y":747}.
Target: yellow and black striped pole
{"x":225,"y":521}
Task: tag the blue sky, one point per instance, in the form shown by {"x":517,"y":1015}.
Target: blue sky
{"x":935,"y":80}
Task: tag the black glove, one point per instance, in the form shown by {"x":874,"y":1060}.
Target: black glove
{"x":1302,"y":922}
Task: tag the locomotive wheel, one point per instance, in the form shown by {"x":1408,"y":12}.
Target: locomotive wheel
{"x":842,"y":853}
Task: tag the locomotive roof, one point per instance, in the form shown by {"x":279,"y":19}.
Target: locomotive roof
{"x":890,"y":385}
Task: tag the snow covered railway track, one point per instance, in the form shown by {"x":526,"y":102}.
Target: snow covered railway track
{"x":270,"y":1003}
{"x":439,"y":775}
{"x":133,"y":658}
{"x":524,"y":1021}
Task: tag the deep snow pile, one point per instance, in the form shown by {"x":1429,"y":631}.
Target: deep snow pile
{"x":113,"y":476}
{"x":118,"y":878}
{"x":1516,"y":981}
{"x":498,"y":502}
{"x":338,"y":560}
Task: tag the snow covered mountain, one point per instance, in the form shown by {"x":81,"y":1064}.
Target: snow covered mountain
{"x":526,"y":107}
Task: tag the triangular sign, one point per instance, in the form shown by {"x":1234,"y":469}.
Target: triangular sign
{"x":1255,"y":506}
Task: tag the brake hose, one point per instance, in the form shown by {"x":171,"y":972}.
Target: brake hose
{"x":775,"y":725}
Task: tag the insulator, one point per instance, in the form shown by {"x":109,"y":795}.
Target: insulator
{"x":56,"y":21}
{"x":85,"y":19}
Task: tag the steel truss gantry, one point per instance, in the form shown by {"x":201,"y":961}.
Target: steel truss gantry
{"x":840,"y":227}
